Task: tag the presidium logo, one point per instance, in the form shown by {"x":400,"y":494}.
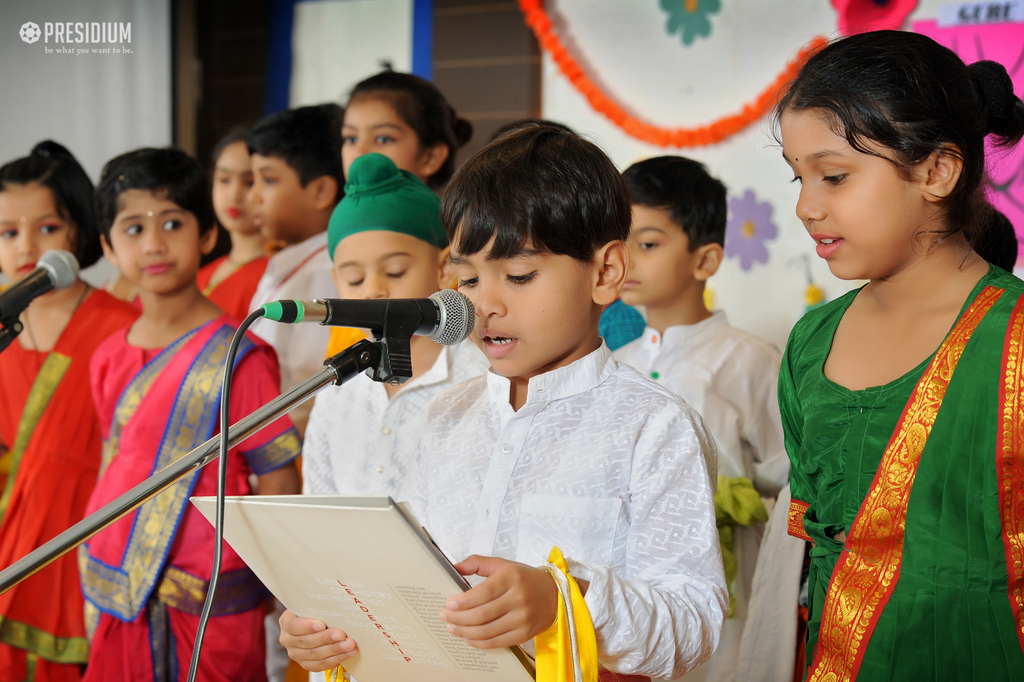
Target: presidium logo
{"x":30,"y":32}
{"x":106,"y":37}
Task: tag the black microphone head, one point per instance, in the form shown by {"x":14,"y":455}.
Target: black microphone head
{"x":62,"y":267}
{"x":457,"y":317}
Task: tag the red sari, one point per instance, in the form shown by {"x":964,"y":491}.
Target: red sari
{"x":234,"y":294}
{"x":145,"y":577}
{"x":49,"y":424}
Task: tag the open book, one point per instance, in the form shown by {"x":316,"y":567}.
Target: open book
{"x":363,"y":564}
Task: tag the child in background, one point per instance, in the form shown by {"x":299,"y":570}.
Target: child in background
{"x":901,"y":401}
{"x":157,"y":388}
{"x":387,"y":241}
{"x":729,"y":376}
{"x":49,"y":434}
{"x":297,"y":182}
{"x":408,"y":120}
{"x":558,"y":445}
{"x":231,"y":280}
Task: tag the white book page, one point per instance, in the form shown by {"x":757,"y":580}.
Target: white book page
{"x":358,"y":564}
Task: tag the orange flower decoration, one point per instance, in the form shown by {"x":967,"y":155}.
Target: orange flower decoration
{"x":711,"y":133}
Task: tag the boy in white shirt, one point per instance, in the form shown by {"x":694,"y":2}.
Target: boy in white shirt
{"x":297,"y":182}
{"x":727,"y":375}
{"x":387,"y":241}
{"x":558,"y":444}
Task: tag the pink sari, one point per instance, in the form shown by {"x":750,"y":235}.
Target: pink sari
{"x":145,"y":577}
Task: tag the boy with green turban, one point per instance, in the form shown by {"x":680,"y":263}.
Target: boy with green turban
{"x":387,"y":241}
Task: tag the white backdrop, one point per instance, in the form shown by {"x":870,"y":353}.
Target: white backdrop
{"x":97,"y":105}
{"x":625,"y":47}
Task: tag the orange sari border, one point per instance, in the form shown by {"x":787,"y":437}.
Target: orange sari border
{"x":797,"y":509}
{"x":1010,"y":462}
{"x":868,"y":567}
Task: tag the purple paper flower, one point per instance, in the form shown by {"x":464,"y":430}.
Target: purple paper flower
{"x":749,"y":227}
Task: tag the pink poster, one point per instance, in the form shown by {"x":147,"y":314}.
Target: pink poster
{"x":1003,"y":43}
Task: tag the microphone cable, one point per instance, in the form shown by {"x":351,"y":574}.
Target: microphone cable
{"x":222,"y":472}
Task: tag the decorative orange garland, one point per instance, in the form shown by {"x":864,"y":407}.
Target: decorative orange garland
{"x":713,"y":133}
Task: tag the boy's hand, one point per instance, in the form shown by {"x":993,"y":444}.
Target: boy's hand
{"x":313,"y":645}
{"x":514,"y":604}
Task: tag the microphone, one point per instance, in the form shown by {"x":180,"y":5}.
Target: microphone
{"x":447,"y":317}
{"x":55,"y":270}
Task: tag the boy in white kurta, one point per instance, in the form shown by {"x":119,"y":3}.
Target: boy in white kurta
{"x":728,"y":375}
{"x":558,"y":445}
{"x":387,"y":241}
{"x":297,"y":180}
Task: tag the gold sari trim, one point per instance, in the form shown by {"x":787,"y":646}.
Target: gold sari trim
{"x":1010,"y":462}
{"x":42,"y":643}
{"x":43,"y":388}
{"x":797,"y":509}
{"x":868,"y":568}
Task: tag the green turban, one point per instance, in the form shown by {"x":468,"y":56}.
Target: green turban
{"x":378,"y":196}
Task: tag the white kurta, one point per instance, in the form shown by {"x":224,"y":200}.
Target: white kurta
{"x":730,"y":377}
{"x":300,"y":271}
{"x":609,"y":467}
{"x":360,"y":442}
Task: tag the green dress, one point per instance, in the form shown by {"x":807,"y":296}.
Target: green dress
{"x":950,"y":612}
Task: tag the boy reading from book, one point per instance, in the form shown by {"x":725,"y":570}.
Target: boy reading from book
{"x":387,"y":242}
{"x":157,"y":390}
{"x":727,"y":375}
{"x":297,"y":182}
{"x":558,"y":445}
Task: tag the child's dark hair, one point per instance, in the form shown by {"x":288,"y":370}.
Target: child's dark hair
{"x":308,"y":139}
{"x":53,"y":166}
{"x":424,"y":109}
{"x":237,"y":134}
{"x":684,"y":188}
{"x":520,"y":123}
{"x":538,"y":187}
{"x":169,"y":173}
{"x":999,"y":245}
{"x":915,"y":97}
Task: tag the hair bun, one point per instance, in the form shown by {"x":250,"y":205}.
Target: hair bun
{"x":462,"y":128}
{"x":996,"y":90}
{"x":48,"y":149}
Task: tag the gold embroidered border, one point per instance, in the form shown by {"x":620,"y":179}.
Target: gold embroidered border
{"x":42,"y":643}
{"x":797,"y":509}
{"x":123,"y":590}
{"x":43,"y":388}
{"x":1010,"y":462}
{"x":276,"y":453}
{"x":867,"y":570}
{"x":238,"y":591}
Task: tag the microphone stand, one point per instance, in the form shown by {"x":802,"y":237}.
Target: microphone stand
{"x":337,"y":370}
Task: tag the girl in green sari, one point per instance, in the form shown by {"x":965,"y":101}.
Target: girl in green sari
{"x":903,"y":401}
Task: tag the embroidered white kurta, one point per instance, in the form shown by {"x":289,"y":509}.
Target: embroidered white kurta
{"x":730,"y":377}
{"x":360,"y":442}
{"x":604,"y":464}
{"x":300,"y":271}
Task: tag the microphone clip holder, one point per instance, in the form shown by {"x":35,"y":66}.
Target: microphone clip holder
{"x":9,"y":330}
{"x":393,"y":338}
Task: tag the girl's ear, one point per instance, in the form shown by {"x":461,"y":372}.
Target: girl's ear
{"x":446,"y":278}
{"x":431,"y":159}
{"x":611,"y":262}
{"x":108,"y":252}
{"x":938,"y":174}
{"x":208,"y":240}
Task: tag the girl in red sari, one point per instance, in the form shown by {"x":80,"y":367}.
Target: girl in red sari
{"x":157,"y":388}
{"x":49,"y":432}
{"x":231,"y":280}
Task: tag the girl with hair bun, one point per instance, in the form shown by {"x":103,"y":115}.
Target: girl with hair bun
{"x":903,"y":401}
{"x":49,"y":431}
{"x":408,"y":120}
